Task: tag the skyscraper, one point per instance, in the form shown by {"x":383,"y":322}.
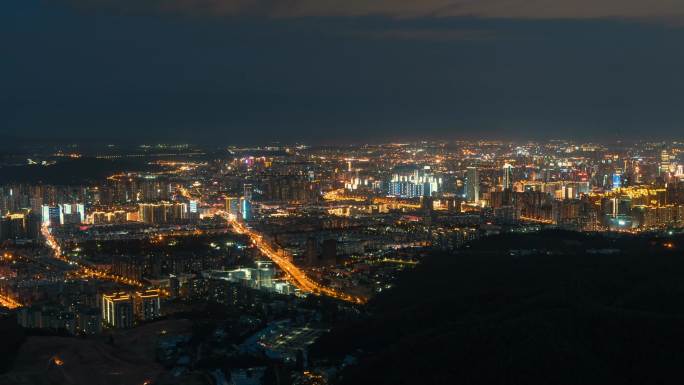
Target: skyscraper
{"x":246,"y":208}
{"x":507,"y":177}
{"x":472,"y":185}
{"x":233,"y":206}
{"x":248,"y":189}
{"x":665,"y":161}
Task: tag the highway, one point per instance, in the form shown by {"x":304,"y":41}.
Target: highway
{"x":284,"y":261}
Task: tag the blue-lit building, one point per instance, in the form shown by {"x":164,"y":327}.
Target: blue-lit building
{"x":50,"y":215}
{"x":413,"y":183}
{"x":245,"y":209}
{"x":617,"y":180}
{"x":193,"y":207}
{"x":472,"y":185}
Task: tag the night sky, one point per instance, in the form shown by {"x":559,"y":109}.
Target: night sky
{"x":329,"y":71}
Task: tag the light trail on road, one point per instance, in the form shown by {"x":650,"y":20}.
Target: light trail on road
{"x":9,"y":302}
{"x":84,"y":271}
{"x":283,"y":261}
{"x":536,"y":220}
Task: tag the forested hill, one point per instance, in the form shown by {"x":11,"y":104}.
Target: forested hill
{"x":561,"y":315}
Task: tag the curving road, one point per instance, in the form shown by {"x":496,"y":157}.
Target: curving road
{"x":84,"y":271}
{"x":284,"y":262}
{"x":9,"y":302}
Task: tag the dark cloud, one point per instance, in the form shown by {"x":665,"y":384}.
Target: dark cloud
{"x":139,"y":74}
{"x":664,"y":10}
{"x":435,"y":34}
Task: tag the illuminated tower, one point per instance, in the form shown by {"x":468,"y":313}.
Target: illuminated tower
{"x":507,"y":177}
{"x":472,"y":185}
{"x":246,"y":202}
{"x":246,"y":209}
{"x":665,"y":159}
{"x":233,"y":206}
{"x":248,"y":191}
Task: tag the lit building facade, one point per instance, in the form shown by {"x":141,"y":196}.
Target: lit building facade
{"x":414,"y":183}
{"x":162,"y":213}
{"x":117,"y":310}
{"x":472,"y":185}
{"x":507,"y":177}
{"x":147,"y":305}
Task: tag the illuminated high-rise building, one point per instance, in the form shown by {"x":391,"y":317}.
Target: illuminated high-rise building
{"x":19,"y":225}
{"x":146,"y":213}
{"x":248,"y":191}
{"x":117,"y":310}
{"x":507,"y":177}
{"x":193,"y":207}
{"x":162,"y":213}
{"x":264,"y":274}
{"x":472,"y":185}
{"x":665,"y":161}
{"x":617,"y":180}
{"x":413,"y":183}
{"x":233,"y":206}
{"x":246,"y":209}
{"x":147,"y":305}
{"x":50,"y":215}
{"x":71,"y":213}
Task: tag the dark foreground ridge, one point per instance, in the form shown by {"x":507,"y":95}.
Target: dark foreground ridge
{"x":548,"y":308}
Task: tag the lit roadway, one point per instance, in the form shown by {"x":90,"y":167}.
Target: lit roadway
{"x":537,"y":220}
{"x":339,"y":195}
{"x":84,"y":271}
{"x":9,"y":302}
{"x":6,"y":300}
{"x":296,"y":275}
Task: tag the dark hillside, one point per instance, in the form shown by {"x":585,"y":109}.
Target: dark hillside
{"x":489,"y":317}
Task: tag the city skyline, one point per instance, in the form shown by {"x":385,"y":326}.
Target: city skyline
{"x":274,"y":251}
